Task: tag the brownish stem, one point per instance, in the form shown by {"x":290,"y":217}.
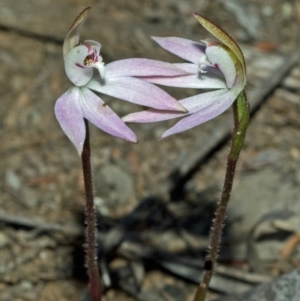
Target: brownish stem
{"x":91,"y":230}
{"x":216,"y":230}
{"x":239,"y":132}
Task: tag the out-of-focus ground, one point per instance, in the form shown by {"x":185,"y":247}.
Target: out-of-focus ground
{"x":155,"y":199}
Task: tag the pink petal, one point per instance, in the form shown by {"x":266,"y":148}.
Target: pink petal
{"x":192,"y":104}
{"x":69,"y":115}
{"x":186,"y":49}
{"x":151,"y":115}
{"x":141,"y":67}
{"x":101,"y":115}
{"x":75,"y":69}
{"x":136,"y":91}
{"x":204,"y":115}
{"x":221,"y":59}
{"x":212,"y":79}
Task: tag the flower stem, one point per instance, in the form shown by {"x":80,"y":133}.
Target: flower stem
{"x":241,"y":113}
{"x":91,"y":243}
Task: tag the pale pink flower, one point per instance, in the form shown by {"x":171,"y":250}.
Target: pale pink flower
{"x":115,"y":79}
{"x":217,"y":65}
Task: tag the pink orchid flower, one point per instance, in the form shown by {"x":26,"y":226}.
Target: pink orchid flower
{"x":114,"y":79}
{"x":217,"y":65}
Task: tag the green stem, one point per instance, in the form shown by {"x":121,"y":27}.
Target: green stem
{"x":91,"y":230}
{"x":241,"y":113}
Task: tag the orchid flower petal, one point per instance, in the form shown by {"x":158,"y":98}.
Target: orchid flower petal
{"x":151,"y":115}
{"x":212,"y":79}
{"x":195,"y":81}
{"x":142,"y":67}
{"x":198,"y":102}
{"x":206,"y":71}
{"x":224,"y":37}
{"x":210,"y":71}
{"x":208,"y":113}
{"x":72,"y":38}
{"x":220,"y":58}
{"x":184,"y":48}
{"x":136,"y":91}
{"x":69,"y":115}
{"x":75,"y":68}
{"x":101,"y":115}
{"x":192,"y":104}
{"x":93,"y":44}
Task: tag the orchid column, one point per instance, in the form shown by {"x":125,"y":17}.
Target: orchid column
{"x":218,"y":65}
{"x":79,"y":105}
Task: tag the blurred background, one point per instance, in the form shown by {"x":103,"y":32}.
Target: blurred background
{"x":155,"y":200}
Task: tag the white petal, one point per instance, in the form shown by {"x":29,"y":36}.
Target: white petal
{"x":220,"y":58}
{"x":75,"y":69}
{"x":93,"y":44}
{"x":199,"y":102}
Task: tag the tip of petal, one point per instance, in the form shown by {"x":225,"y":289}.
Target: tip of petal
{"x":133,"y":139}
{"x":79,"y":148}
{"x":164,"y":135}
{"x":173,"y":107}
{"x":180,"y":108}
{"x":161,"y":138}
{"x":80,"y":17}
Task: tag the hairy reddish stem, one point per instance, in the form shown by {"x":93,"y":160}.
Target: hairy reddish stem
{"x":91,"y":230}
{"x":241,"y":113}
